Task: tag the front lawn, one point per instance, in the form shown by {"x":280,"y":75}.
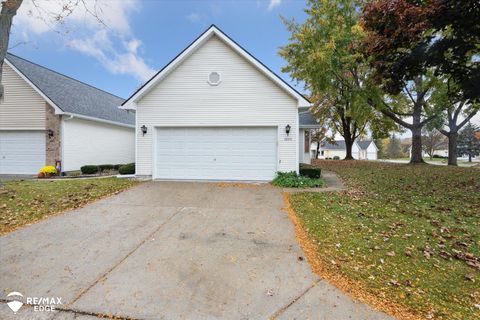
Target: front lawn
{"x":28,"y":201}
{"x":405,"y":235}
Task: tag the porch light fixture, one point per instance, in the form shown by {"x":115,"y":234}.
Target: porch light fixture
{"x":50,"y":133}
{"x":144,"y":129}
{"x":287,"y":129}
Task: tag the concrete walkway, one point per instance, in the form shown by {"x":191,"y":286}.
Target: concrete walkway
{"x":171,"y":250}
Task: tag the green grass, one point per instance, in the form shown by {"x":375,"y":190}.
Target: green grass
{"x":409,"y":234}
{"x":31,"y":200}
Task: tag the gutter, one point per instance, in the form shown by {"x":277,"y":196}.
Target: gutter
{"x":79,"y":116}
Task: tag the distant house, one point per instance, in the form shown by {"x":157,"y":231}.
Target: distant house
{"x":361,"y":150}
{"x":368,"y":150}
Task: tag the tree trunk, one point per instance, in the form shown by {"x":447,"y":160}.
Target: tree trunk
{"x":416,"y":146}
{"x":348,"y":146}
{"x":9,"y":10}
{"x":318,"y":149}
{"x":452,"y":148}
{"x":470,"y":158}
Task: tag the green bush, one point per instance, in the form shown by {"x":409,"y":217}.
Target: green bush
{"x":292,"y":180}
{"x":336,"y":158}
{"x":89,"y":169}
{"x":104,"y":167}
{"x":127,"y":169}
{"x":117,"y":166}
{"x":310,"y":172}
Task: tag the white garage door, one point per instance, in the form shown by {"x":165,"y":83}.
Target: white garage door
{"x":372,"y":156}
{"x":216,"y":153}
{"x":22,"y":152}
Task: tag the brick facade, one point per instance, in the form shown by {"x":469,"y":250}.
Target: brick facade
{"x":52,"y":122}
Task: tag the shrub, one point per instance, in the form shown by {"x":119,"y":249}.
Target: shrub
{"x":127,"y":169}
{"x":310,"y":172}
{"x":104,"y":167}
{"x":292,"y":180}
{"x":89,"y":169}
{"x":336,"y":158}
{"x":117,"y":166}
{"x":48,"y":170}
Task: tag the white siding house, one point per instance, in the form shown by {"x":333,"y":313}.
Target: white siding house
{"x":47,"y":118}
{"x":361,"y":150}
{"x":368,"y":150}
{"x":216,"y":113}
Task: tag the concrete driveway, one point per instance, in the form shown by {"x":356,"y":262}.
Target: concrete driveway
{"x":171,"y":250}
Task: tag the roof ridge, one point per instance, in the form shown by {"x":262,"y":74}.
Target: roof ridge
{"x":64,"y":75}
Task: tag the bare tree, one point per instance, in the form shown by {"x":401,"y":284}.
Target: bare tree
{"x":456,"y":112}
{"x":318,"y":136}
{"x":9,"y":10}
{"x":432,"y":140}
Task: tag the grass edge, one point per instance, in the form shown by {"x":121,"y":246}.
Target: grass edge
{"x":353,"y":289}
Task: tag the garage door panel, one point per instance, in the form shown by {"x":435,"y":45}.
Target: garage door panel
{"x":21,"y":152}
{"x":216,"y":153}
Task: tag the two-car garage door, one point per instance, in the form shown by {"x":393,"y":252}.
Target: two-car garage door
{"x":22,"y":152}
{"x":221,"y":153}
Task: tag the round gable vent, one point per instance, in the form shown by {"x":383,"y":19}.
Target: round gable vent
{"x":214,"y":78}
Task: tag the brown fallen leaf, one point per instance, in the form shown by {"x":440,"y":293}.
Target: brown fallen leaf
{"x":470,"y":277}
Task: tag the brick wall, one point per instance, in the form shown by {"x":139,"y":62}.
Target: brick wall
{"x":52,"y":122}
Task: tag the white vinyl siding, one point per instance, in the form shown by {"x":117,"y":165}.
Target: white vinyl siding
{"x":22,"y":152}
{"x":372,"y":152}
{"x":244,"y":97}
{"x":245,"y":153}
{"x":23,"y":108}
{"x":90,"y":142}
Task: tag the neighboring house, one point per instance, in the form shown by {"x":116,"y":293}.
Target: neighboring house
{"x":442,"y":151}
{"x":307,"y":123}
{"x":217,"y":113}
{"x":334,"y":150}
{"x":368,"y":150}
{"x":361,"y":150}
{"x":48,"y":118}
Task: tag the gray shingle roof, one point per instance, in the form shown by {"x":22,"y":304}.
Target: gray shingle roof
{"x":73,"y":96}
{"x":306,"y":119}
{"x":338,"y":145}
{"x":364,"y":144}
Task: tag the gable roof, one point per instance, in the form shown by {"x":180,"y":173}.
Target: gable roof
{"x":337,"y":145}
{"x":213,"y":31}
{"x":364,"y":144}
{"x":307,"y":120}
{"x":70,"y":96}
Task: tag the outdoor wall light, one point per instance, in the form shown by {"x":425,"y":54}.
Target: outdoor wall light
{"x":50,"y":133}
{"x":144,"y":129}
{"x":287,"y":129}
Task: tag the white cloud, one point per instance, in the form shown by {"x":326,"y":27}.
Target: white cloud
{"x":113,"y":43}
{"x":274,"y":3}
{"x":123,"y":60}
{"x":193,"y":17}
